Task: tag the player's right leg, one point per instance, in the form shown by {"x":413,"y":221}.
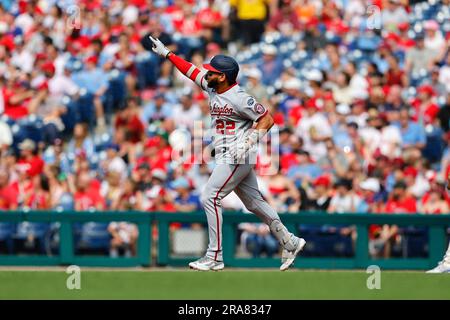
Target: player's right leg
{"x":248,"y":192}
{"x":223,"y":179}
{"x":444,"y":265}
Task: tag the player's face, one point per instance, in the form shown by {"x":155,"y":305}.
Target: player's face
{"x":214,"y":78}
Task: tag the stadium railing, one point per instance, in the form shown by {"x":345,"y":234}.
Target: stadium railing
{"x":437,"y":239}
{"x":66,"y":254}
{"x":436,"y":224}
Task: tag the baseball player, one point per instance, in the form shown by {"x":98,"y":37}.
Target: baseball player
{"x":444,"y":265}
{"x":233,"y":114}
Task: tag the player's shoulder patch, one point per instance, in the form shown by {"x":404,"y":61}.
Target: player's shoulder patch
{"x":259,"y":108}
{"x":250,"y":101}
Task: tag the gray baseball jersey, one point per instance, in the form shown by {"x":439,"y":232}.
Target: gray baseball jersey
{"x":233,"y":113}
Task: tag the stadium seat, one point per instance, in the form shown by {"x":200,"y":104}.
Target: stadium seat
{"x":32,"y":236}
{"x":85,"y":108}
{"x":71,"y":117}
{"x":94,"y":237}
{"x":148,"y":69}
{"x":102,"y":142}
{"x":6,"y":232}
{"x":115,"y":96}
{"x":52,"y":239}
{"x":414,"y":242}
{"x":323,"y":241}
{"x":66,"y":202}
{"x":435,"y":146}
{"x":368,"y":43}
{"x":33,"y":128}
{"x":77,"y":228}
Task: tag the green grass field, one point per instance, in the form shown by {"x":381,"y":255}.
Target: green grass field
{"x":231,"y":284}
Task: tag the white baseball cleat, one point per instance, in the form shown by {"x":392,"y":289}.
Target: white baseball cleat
{"x":442,"y":267}
{"x":288,"y":257}
{"x":206,"y":263}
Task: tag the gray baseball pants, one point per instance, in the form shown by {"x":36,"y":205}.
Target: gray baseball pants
{"x":241,"y":179}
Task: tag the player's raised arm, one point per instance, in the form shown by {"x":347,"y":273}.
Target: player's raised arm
{"x":185,"y":67}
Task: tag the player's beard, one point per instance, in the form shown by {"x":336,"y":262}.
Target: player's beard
{"x":213,"y":83}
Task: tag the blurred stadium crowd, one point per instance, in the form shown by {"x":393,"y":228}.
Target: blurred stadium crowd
{"x":360,"y":92}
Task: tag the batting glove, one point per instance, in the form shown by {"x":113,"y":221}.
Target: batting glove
{"x":243,"y":147}
{"x":159,"y":47}
{"x":238,"y":152}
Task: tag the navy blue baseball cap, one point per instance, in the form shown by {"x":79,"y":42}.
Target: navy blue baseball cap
{"x":223,"y":64}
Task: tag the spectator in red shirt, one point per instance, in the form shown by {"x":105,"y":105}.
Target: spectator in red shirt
{"x":153,"y":155}
{"x":86,"y":197}
{"x":23,"y":186}
{"x":211,"y":21}
{"x":283,"y":194}
{"x":330,"y":13}
{"x":8,"y":194}
{"x":395,"y":75}
{"x":189,"y":26}
{"x":404,"y":41}
{"x":129,"y":122}
{"x":191,"y":31}
{"x":435,"y":204}
{"x":425,"y":107}
{"x":399,"y":202}
{"x":32,"y":164}
{"x":288,"y":154}
{"x":285,"y":20}
{"x":16,"y":95}
{"x":175,"y":11}
{"x":40,"y":195}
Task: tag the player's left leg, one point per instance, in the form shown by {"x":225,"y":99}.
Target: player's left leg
{"x":223,"y":179}
{"x":444,"y":265}
{"x":248,"y":192}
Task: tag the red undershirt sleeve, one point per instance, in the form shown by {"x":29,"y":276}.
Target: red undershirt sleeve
{"x":189,"y":70}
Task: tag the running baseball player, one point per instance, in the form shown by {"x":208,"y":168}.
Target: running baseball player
{"x":444,"y":265}
{"x":233,"y":114}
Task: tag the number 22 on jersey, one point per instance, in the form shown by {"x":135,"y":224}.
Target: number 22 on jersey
{"x":225,"y":127}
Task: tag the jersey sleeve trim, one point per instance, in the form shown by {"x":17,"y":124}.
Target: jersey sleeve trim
{"x":191,"y":71}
